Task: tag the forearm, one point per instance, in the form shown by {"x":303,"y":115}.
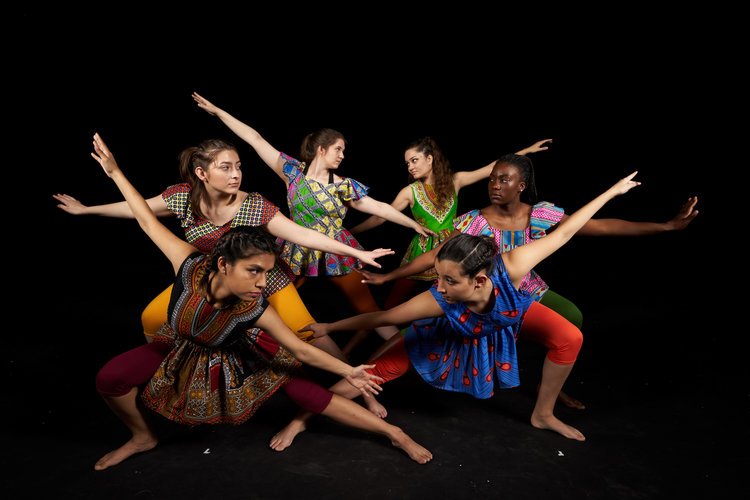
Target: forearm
{"x":313,"y":356}
{"x":577,"y":220}
{"x":120,"y":209}
{"x":366,"y":321}
{"x":285,"y":229}
{"x":251,"y":136}
{"x":420,"y":264}
{"x":619,"y":227}
{"x":136,"y":204}
{"x":370,"y":223}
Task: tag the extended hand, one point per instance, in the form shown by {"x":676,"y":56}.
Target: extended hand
{"x":70,"y":204}
{"x":205,"y":104}
{"x":625,"y":184}
{"x":685,"y":216}
{"x":366,"y":382}
{"x":103,"y":155}
{"x":368,"y":257}
{"x":371,"y":278}
{"x":542,"y":145}
{"x":318,"y":329}
{"x":424,"y":231}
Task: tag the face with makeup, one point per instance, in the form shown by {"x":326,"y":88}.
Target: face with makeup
{"x":224,"y":174}
{"x":333,"y":155}
{"x":246,"y":278}
{"x":418,"y":164}
{"x":454,"y":284}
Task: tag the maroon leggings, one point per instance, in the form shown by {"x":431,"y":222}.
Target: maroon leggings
{"x":135,"y":367}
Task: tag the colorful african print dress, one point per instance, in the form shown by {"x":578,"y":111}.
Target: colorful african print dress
{"x":434,"y":218}
{"x":216,"y":372}
{"x":469,"y":352}
{"x":544,"y":215}
{"x":203,"y":234}
{"x":319,"y":207}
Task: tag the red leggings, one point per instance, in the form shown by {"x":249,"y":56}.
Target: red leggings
{"x":541,"y":324}
{"x":135,"y":367}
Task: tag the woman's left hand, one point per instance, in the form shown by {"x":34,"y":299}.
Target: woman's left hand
{"x":685,"y":216}
{"x":366,"y":382}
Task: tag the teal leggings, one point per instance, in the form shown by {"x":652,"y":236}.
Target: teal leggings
{"x":563,"y":307}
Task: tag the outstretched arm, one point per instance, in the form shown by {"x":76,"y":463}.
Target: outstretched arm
{"x":120,"y":209}
{"x":619,"y":227}
{"x":270,"y":322}
{"x":372,"y":206}
{"x":521,"y":260}
{"x":267,"y":153}
{"x":421,"y":263}
{"x":284,"y":228}
{"x":403,"y":199}
{"x":465,"y":178}
{"x":175,"y":249}
{"x":422,"y":306}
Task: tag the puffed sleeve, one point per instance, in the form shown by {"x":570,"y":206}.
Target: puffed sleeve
{"x":544,"y":215}
{"x":177,"y":198}
{"x":351,"y":190}
{"x":292,"y":168}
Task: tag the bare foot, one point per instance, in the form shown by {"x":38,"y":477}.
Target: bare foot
{"x":552,"y":423}
{"x":132,"y":447}
{"x":283,"y":439}
{"x":375,"y":407}
{"x":416,"y":452}
{"x":570,"y":401}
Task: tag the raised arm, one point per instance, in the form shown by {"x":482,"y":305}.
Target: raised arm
{"x":372,"y":206}
{"x":284,"y":228}
{"x":267,"y":153}
{"x":403,"y":199}
{"x":270,"y":322}
{"x":619,"y":227}
{"x":465,"y":178}
{"x":120,"y":209}
{"x":174,"y":248}
{"x":521,"y":260}
{"x":422,"y":306}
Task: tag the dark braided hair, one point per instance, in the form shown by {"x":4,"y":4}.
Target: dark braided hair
{"x":200,"y":156}
{"x":525,"y":168}
{"x":441,"y":169}
{"x":472,"y":253}
{"x":240,"y":243}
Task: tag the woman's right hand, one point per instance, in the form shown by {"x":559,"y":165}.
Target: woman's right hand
{"x":205,"y":104}
{"x":70,"y":204}
{"x":372,"y":278}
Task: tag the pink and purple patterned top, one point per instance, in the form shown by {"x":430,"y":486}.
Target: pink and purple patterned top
{"x":544,"y":215}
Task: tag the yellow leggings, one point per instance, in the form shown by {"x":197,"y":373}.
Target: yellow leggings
{"x":286,"y":301}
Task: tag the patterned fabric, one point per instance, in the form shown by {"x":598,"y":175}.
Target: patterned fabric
{"x":469,"y":352}
{"x":216,"y":372}
{"x":544,"y":215}
{"x":319,"y":207}
{"x":429,"y":215}
{"x":203,"y":234}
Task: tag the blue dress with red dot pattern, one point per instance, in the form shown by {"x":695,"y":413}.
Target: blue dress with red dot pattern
{"x":464,"y":351}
